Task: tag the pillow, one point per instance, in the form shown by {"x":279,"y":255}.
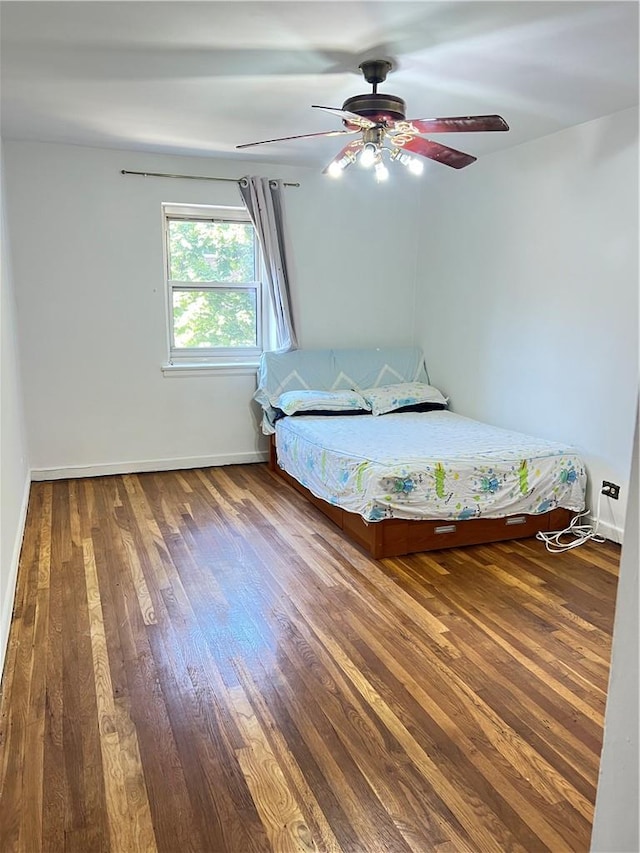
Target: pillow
{"x":393,"y":398}
{"x":321,"y":402}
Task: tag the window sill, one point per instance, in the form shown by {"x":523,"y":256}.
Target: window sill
{"x":175,"y":371}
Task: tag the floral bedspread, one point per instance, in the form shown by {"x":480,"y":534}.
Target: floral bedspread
{"x":437,"y":465}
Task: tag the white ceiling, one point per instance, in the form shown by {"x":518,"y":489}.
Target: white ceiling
{"x":200,"y":78}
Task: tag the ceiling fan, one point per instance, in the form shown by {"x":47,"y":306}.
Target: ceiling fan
{"x":383,"y":131}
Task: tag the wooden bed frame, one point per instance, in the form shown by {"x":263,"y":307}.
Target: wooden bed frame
{"x":393,"y":537}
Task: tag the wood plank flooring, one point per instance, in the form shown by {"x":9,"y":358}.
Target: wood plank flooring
{"x":198,"y":661}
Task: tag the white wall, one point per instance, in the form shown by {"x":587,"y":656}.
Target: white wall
{"x":87,"y":258}
{"x":14,"y":465}
{"x":528,"y":292}
{"x":615,"y":825}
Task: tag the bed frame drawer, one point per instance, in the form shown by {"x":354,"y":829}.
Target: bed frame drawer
{"x":405,"y":537}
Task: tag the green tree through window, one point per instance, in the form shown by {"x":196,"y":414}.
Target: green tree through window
{"x":211,"y":251}
{"x":215,"y":290}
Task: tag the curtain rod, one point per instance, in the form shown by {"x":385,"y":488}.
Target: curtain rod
{"x":190,"y":177}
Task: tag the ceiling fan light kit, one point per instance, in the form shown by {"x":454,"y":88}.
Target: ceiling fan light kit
{"x":383,"y":131}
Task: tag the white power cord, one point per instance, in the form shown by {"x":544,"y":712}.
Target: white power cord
{"x":581,"y":533}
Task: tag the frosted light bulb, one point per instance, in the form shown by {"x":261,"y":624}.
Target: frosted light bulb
{"x":416,"y":167}
{"x":335,"y":169}
{"x":368,"y":155}
{"x":382,"y":173}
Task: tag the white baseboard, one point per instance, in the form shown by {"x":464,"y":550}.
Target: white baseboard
{"x":9,"y":593}
{"x":611,"y":532}
{"x":105,"y":469}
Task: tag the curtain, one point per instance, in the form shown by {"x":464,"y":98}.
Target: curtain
{"x":263,"y":198}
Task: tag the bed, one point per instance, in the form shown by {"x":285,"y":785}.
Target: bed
{"x":366,"y":438}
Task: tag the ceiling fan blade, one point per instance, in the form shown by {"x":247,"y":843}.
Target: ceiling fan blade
{"x":463,"y":124}
{"x":300,"y":136}
{"x":344,"y":158}
{"x":352,"y":118}
{"x":439,"y":152}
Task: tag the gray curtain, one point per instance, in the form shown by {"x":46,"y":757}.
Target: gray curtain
{"x":263,"y":198}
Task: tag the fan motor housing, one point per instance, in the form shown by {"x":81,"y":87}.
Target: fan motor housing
{"x":378,"y":108}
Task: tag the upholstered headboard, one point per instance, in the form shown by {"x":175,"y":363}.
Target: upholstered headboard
{"x":333,"y":370}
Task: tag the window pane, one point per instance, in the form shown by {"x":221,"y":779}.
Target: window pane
{"x":211,"y":251}
{"x":215,"y":318}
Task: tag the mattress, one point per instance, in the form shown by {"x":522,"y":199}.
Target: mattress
{"x":436,"y":465}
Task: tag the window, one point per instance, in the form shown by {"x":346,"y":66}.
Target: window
{"x":215,"y":295}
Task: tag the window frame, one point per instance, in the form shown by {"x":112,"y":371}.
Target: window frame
{"x":203,"y":357}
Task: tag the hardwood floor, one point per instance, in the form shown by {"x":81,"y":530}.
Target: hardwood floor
{"x":198,"y":661}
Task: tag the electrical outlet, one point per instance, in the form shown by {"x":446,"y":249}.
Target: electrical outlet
{"x":611,"y":490}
